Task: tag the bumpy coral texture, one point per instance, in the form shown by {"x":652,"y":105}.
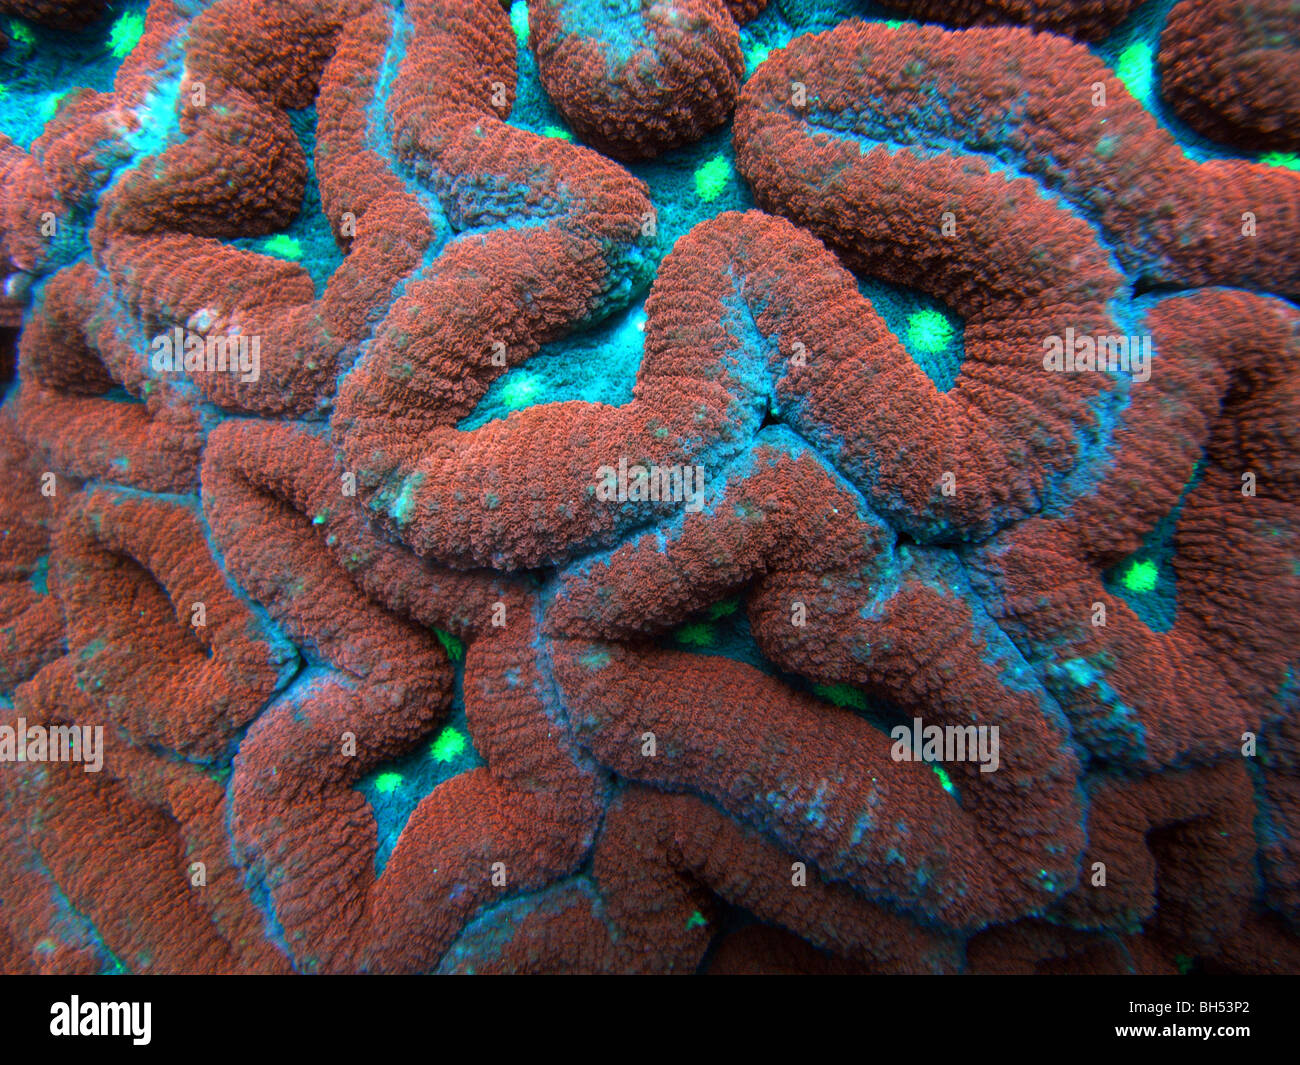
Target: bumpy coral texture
{"x":275,"y":589}
{"x":636,"y":77}
{"x":1228,"y":69}
{"x":1085,"y":19}
{"x":62,"y":13}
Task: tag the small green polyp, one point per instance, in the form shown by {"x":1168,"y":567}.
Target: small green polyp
{"x":695,"y":634}
{"x":282,"y":247}
{"x":841,"y":695}
{"x":929,"y":331}
{"x":387,"y":783}
{"x":453,"y":646}
{"x":1142,"y":577}
{"x":711,"y":178}
{"x":448,"y":745}
{"x":20,"y":33}
{"x":518,"y":391}
{"x":126,"y":34}
{"x":519,"y":22}
{"x":1134,"y":70}
{"x":1289,"y":160}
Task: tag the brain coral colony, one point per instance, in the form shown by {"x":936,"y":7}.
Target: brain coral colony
{"x":608,"y":486}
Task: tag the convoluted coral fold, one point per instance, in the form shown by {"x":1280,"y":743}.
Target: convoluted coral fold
{"x":501,"y":477}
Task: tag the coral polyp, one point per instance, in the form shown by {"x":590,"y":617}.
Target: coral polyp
{"x":691,"y":486}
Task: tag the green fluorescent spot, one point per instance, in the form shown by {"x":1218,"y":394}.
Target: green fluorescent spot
{"x":1134,"y":70}
{"x":724,"y":608}
{"x":757,"y":57}
{"x":1142,"y":577}
{"x":448,"y":745}
{"x":387,"y":782}
{"x":454,"y":648}
{"x":945,"y":781}
{"x":282,"y":247}
{"x":711,"y":178}
{"x":519,"y":20}
{"x":696,"y":634}
{"x":4,"y":90}
{"x":126,"y":34}
{"x":518,"y":391}
{"x":929,"y":331}
{"x":1290,"y":160}
{"x":21,"y":33}
{"x":556,"y":131}
{"x":841,"y":695}
{"x":696,"y":920}
{"x":893,"y":24}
